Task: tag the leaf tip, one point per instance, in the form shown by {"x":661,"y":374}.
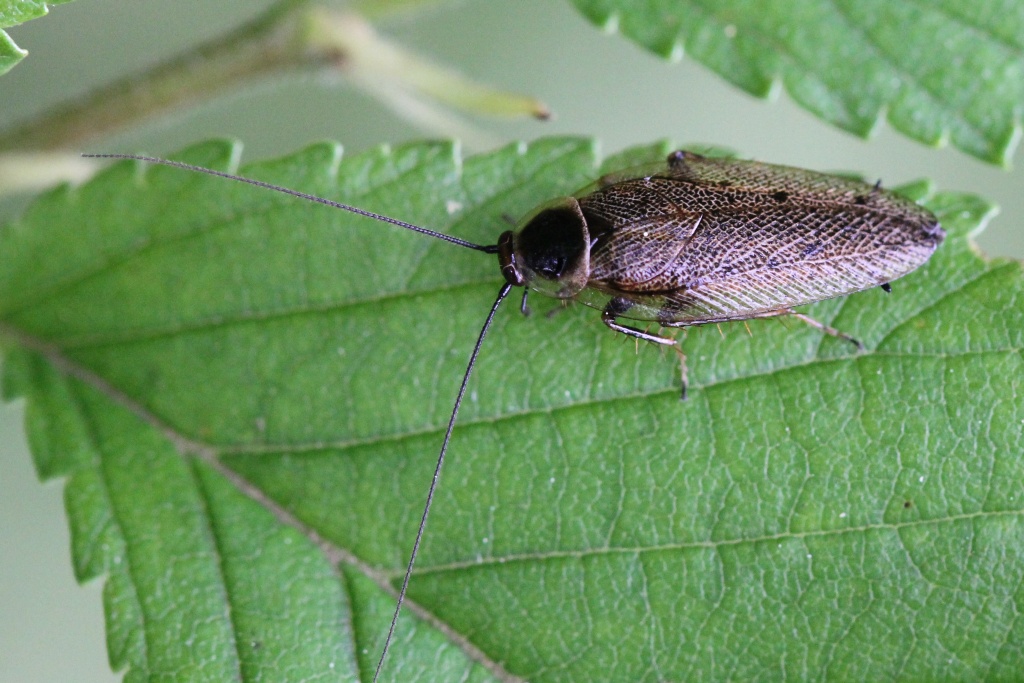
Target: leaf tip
{"x":1005,"y":149}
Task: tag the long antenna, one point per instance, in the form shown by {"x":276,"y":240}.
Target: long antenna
{"x":505,"y":289}
{"x":489,"y":249}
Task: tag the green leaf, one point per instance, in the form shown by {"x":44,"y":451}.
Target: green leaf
{"x":246,"y":394}
{"x":12,"y":13}
{"x":10,"y":53}
{"x":937,"y":70}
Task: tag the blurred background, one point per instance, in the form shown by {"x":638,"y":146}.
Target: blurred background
{"x":598,"y":85}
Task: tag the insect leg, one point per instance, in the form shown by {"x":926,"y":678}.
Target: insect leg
{"x":523,"y":308}
{"x":555,"y":311}
{"x":823,"y":327}
{"x":617,"y":307}
{"x":683,"y":373}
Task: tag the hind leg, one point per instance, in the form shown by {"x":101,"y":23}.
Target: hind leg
{"x":831,"y":331}
{"x":684,"y":374}
{"x":838,"y":334}
{"x":769,"y":314}
{"x":615,"y":307}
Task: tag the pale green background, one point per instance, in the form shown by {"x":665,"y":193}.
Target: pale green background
{"x":50,"y":628}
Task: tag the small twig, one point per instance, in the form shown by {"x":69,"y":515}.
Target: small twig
{"x":266,"y":45}
{"x":293,"y":35}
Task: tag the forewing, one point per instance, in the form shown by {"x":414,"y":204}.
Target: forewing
{"x":789,"y":260}
{"x":760,"y":238}
{"x":637,"y":234}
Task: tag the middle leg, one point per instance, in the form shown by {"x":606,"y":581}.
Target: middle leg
{"x":617,"y":307}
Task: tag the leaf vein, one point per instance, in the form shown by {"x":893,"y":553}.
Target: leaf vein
{"x":210,"y":531}
{"x":557,"y":555}
{"x":908,"y":77}
{"x":265,"y":207}
{"x":947,"y":295}
{"x":967,"y":21}
{"x":126,"y":564}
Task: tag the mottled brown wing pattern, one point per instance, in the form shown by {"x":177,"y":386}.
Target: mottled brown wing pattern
{"x":744,"y":239}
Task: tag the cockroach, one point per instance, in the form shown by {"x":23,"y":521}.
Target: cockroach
{"x":696,"y":240}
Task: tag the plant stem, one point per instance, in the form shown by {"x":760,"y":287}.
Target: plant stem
{"x":292,"y":35}
{"x":270,"y":43}
{"x":379,"y":9}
